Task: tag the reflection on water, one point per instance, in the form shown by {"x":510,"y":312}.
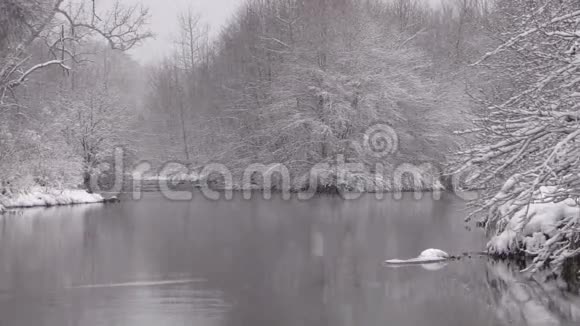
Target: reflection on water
{"x":155,"y":262}
{"x":540,"y":299}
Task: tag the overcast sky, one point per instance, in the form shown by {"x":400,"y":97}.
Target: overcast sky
{"x":164,"y":22}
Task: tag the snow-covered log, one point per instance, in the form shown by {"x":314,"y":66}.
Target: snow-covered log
{"x":428,"y":256}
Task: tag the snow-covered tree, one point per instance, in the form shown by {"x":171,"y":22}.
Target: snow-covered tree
{"x":45,"y":48}
{"x":528,"y":131}
{"x":93,"y":123}
{"x":299,"y":82}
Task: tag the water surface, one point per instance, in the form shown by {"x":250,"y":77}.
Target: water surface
{"x":261,"y":263}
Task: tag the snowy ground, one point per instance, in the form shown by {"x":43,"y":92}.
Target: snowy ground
{"x":39,"y":196}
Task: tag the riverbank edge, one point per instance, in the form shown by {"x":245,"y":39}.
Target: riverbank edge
{"x":569,"y":270}
{"x":50,"y":197}
{"x":334,"y":189}
{"x":324,"y":191}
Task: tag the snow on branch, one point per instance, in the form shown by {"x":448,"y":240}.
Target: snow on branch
{"x":529,"y":136}
{"x":523,"y":35}
{"x":122,"y":27}
{"x":24,"y":76}
{"x":275,"y":40}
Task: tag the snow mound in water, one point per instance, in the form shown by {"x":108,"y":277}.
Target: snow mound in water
{"x":434,"y":254}
{"x":427,"y":256}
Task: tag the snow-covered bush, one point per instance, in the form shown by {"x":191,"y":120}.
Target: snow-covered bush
{"x":528,"y":131}
{"x":28,"y":158}
{"x":538,"y":228}
{"x":326,"y":178}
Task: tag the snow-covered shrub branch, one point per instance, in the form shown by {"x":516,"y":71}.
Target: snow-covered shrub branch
{"x":529,"y":132}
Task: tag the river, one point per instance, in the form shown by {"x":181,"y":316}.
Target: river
{"x":261,"y":263}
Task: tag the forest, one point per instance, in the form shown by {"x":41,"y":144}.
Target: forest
{"x":479,"y":93}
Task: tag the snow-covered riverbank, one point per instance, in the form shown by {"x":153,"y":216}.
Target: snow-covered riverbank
{"x":39,"y":196}
{"x":543,"y":229}
{"x":532,"y":226}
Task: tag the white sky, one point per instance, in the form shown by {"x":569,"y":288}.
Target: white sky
{"x":164,"y":22}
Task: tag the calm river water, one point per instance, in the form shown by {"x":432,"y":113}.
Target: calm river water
{"x":262,"y":263}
